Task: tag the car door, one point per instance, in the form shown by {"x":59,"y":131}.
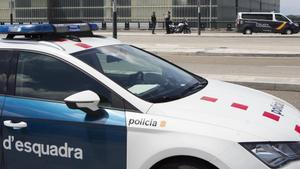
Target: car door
{"x":5,"y":60}
{"x":41,"y":131}
{"x":281,"y":23}
{"x":265,"y":22}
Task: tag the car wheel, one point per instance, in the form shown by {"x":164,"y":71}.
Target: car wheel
{"x":288,"y":32}
{"x":248,"y":31}
{"x":185,"y":165}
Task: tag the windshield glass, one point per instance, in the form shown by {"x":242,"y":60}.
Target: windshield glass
{"x":142,"y":73}
{"x":282,"y":18}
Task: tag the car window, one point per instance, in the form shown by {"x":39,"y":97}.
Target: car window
{"x":5,"y":58}
{"x":258,"y":16}
{"x":44,"y":77}
{"x":281,"y":18}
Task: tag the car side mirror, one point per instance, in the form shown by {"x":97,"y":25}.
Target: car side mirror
{"x":87,"y":101}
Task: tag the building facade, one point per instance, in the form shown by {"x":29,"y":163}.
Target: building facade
{"x":214,"y":12}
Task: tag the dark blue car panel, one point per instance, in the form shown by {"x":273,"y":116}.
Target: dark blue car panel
{"x":2,"y":98}
{"x":58,"y":137}
{"x":1,"y":103}
{"x":266,"y":26}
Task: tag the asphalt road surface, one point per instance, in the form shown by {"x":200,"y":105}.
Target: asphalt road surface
{"x":215,"y":42}
{"x":288,"y":67}
{"x":277,"y":67}
{"x":291,"y":97}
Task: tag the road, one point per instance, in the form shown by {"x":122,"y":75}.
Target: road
{"x":214,"y":42}
{"x":291,"y":97}
{"x":249,"y":66}
{"x":288,"y":67}
{"x":276,"y":69}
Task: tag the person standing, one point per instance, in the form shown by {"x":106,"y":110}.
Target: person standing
{"x":167,"y":22}
{"x":153,"y":20}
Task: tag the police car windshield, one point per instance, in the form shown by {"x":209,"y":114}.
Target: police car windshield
{"x":143,"y":74}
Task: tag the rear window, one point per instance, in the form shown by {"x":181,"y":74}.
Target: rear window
{"x":258,"y":16}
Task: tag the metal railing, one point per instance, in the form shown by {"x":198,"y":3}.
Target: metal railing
{"x":4,"y":15}
{"x":134,"y":13}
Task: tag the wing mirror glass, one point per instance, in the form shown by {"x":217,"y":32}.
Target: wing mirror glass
{"x":87,"y":101}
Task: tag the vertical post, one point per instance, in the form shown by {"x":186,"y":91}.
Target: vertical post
{"x":11,"y":5}
{"x":260,"y":6}
{"x":115,"y":34}
{"x":236,"y":7}
{"x":49,"y":11}
{"x":199,"y":17}
{"x":210,"y":13}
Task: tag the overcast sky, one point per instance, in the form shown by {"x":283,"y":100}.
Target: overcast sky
{"x":290,"y":7}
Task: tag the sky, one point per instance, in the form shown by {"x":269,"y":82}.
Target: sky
{"x":290,"y":7}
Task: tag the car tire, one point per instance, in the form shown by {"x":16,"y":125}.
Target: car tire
{"x":288,"y":32}
{"x":248,"y":31}
{"x":185,"y":165}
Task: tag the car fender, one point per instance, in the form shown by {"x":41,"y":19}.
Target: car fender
{"x":183,"y":151}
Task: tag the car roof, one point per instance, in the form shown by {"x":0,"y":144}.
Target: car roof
{"x":66,"y":45}
{"x":258,"y":13}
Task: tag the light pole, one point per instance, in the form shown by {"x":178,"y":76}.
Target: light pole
{"x":199,"y":17}
{"x":260,"y":5}
{"x":210,"y":13}
{"x":115,"y":34}
{"x":236,"y":7}
{"x":11,"y":5}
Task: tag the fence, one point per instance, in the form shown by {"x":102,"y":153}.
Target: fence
{"x":132,"y":11}
{"x":4,"y":15}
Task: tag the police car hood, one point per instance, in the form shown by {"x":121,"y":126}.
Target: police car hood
{"x":238,"y":108}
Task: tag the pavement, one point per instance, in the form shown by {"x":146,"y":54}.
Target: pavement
{"x":261,"y":61}
{"x":215,"y":43}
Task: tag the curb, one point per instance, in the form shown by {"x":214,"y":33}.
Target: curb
{"x":204,"y":34}
{"x":225,"y":54}
{"x":270,"y":86}
{"x":273,"y":84}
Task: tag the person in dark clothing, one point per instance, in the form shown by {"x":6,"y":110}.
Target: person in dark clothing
{"x":167,"y":22}
{"x":153,"y":20}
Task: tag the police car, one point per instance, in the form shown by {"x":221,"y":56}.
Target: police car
{"x":249,"y":22}
{"x":73,"y":100}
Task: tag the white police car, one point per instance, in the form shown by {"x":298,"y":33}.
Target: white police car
{"x":73,"y":100}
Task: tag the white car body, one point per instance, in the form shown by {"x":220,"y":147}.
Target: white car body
{"x":208,"y":125}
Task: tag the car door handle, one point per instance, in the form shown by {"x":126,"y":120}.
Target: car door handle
{"x":16,"y":126}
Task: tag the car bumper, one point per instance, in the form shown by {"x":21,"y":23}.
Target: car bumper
{"x":296,"y":30}
{"x":238,"y":157}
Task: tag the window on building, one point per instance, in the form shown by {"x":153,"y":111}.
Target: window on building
{"x":65,"y":3}
{"x":124,"y":8}
{"x":22,"y":3}
{"x":93,"y":3}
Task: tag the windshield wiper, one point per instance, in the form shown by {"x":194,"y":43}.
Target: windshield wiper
{"x":192,"y":89}
{"x":166,"y":99}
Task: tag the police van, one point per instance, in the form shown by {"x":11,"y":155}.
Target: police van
{"x":73,"y":100}
{"x":250,"y":22}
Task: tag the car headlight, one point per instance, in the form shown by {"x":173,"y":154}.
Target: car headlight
{"x":274,"y":154}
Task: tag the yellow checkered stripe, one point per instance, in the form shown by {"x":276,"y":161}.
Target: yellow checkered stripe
{"x":281,"y":26}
